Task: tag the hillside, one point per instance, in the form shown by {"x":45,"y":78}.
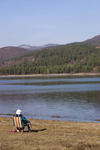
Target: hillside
{"x":71,"y":58}
{"x":11,"y":52}
{"x":61,"y":59}
{"x":94,"y":41}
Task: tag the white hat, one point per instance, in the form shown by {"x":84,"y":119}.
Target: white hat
{"x":18,"y":112}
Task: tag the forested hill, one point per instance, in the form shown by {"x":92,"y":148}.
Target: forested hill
{"x":61,"y":59}
{"x":94,"y":41}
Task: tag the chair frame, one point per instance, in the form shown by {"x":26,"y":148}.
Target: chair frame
{"x":18,"y":123}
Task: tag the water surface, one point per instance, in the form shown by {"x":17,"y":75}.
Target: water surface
{"x":55,"y":98}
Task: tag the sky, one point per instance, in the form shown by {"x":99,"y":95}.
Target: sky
{"x":39,"y":22}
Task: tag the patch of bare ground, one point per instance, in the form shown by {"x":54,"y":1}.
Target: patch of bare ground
{"x":18,"y":61}
{"x":51,"y":135}
{"x":95,"y":69}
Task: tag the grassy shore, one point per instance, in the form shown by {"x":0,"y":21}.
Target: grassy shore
{"x":51,"y":135}
{"x":61,"y":74}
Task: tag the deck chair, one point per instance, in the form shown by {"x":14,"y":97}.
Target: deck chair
{"x":17,"y":123}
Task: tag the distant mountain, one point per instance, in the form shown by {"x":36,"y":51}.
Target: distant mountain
{"x":11,"y":52}
{"x":36,"y":47}
{"x":94,"y":41}
{"x":50,"y":44}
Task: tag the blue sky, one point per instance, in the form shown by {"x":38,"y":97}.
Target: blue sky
{"x":39,"y":22}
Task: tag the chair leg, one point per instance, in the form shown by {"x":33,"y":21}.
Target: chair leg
{"x":13,"y":129}
{"x":22,"y":131}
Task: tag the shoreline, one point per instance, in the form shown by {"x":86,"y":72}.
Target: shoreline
{"x":50,"y":75}
{"x":56,"y":119}
{"x":48,"y":120}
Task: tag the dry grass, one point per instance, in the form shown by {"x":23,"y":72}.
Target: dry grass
{"x":51,"y":135}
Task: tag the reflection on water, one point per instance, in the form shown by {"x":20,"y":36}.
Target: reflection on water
{"x":73,"y":99}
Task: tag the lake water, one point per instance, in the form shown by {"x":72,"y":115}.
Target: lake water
{"x":52,"y":98}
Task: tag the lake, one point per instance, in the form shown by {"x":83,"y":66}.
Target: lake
{"x":53,"y":98}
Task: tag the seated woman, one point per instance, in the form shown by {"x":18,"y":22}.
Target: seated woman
{"x":24,"y":121}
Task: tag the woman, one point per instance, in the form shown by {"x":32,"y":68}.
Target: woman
{"x":24,"y":121}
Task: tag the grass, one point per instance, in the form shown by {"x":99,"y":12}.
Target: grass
{"x":51,"y":135}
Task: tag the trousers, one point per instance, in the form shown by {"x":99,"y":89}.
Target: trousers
{"x":29,"y":125}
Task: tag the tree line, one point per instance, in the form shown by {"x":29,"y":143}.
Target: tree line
{"x":61,"y":59}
